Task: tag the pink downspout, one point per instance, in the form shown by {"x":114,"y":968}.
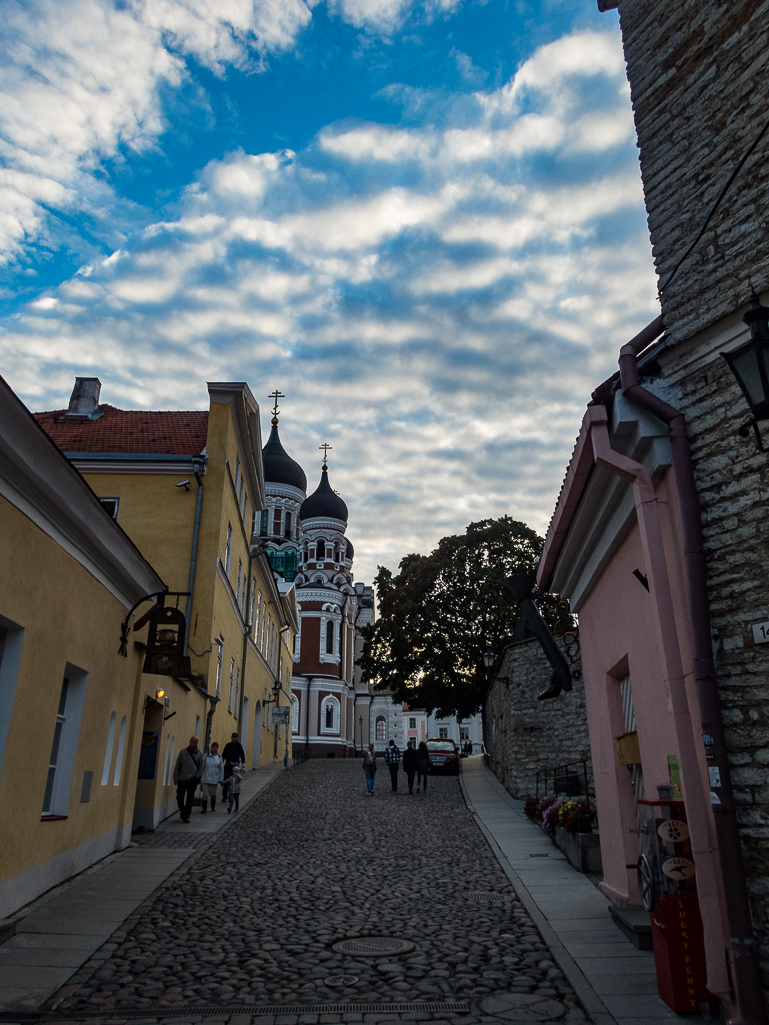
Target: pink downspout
{"x":741,"y":952}
{"x":697,"y":804}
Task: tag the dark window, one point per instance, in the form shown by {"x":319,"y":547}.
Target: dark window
{"x":330,"y":637}
{"x":321,"y":551}
{"x":329,"y":717}
{"x":287,"y":525}
{"x":263,"y":524}
{"x":110,"y":506}
{"x":381,"y":726}
{"x":60,"y":720}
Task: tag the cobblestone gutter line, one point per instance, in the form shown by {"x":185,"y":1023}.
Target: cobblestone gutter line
{"x":588,"y":997}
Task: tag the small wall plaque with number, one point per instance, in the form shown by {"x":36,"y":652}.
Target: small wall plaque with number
{"x":761,"y":633}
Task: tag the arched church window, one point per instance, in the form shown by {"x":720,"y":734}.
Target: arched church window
{"x":330,"y":715}
{"x":330,"y":637}
{"x":263,"y":523}
{"x":287,"y":525}
{"x":321,"y":548}
{"x":381,"y":727}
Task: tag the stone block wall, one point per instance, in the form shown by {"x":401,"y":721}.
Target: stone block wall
{"x":697,"y":71}
{"x":524,"y":735}
{"x":733,"y":485}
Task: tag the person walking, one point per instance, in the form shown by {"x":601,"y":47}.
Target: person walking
{"x":233,"y":754}
{"x":187,"y":772}
{"x":393,"y":759}
{"x":424,"y":764}
{"x":369,"y":767}
{"x":410,"y":764}
{"x":234,"y":787}
{"x":211,"y":777}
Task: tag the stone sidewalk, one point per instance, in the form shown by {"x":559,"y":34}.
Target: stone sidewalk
{"x":616,"y":982}
{"x":64,"y":929}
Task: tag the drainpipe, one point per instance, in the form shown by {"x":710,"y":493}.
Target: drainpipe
{"x":307,"y":721}
{"x":197,"y":465}
{"x":741,"y":950}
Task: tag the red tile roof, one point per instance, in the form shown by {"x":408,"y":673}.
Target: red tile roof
{"x":128,"y":430}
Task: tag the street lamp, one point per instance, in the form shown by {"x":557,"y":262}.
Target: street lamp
{"x":749,"y":364}
{"x":488,"y":661}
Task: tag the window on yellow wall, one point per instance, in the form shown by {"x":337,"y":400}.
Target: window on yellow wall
{"x":237,"y":693}
{"x":237,"y":473}
{"x":232,"y":684}
{"x":228,"y":550}
{"x":219,"y":661}
{"x":240,"y":577}
{"x":251,"y":610}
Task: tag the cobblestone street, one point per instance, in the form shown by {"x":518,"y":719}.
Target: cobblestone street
{"x":252,"y":920}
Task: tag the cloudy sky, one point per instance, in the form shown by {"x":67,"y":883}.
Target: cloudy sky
{"x":422,"y":221}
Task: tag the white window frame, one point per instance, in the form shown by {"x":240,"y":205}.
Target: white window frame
{"x":330,"y":702}
{"x":232,"y":684}
{"x":70,"y":717}
{"x":108,"y":752}
{"x":294,"y":713}
{"x":120,"y":751}
{"x":228,"y":550}
{"x":11,"y":642}
{"x":219,"y":669}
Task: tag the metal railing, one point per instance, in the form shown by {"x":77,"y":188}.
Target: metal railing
{"x":570,"y":779}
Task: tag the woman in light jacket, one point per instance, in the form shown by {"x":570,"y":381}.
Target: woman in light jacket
{"x":213,"y":775}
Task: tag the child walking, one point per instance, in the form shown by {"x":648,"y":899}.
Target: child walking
{"x":234,"y":781}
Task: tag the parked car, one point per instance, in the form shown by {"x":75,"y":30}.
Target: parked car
{"x":444,"y":755}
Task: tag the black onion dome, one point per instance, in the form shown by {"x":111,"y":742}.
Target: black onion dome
{"x":279,"y":467}
{"x":323,"y":502}
{"x":350,"y":550}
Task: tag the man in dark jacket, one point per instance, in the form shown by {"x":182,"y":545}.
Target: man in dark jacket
{"x":187,"y":772}
{"x":233,"y":754}
{"x":410,"y":764}
{"x":393,"y":758}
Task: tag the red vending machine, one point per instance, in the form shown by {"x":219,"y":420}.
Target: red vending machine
{"x":668,"y":884}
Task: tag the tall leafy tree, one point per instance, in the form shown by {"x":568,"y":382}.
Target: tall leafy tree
{"x":437,"y":614}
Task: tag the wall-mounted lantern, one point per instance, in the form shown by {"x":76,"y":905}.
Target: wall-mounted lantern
{"x":749,"y":364}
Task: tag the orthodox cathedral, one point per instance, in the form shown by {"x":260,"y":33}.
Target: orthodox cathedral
{"x":304,"y":537}
{"x":334,"y":712}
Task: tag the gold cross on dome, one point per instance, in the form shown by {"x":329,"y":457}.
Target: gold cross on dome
{"x":276,"y":395}
{"x":326,"y":449}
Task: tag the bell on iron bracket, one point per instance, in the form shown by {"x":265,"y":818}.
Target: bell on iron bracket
{"x":165,"y":644}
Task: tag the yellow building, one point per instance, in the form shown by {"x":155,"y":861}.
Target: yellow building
{"x":70,"y":706}
{"x":185,"y":486}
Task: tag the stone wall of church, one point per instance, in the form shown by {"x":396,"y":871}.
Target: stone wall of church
{"x":525,"y":735}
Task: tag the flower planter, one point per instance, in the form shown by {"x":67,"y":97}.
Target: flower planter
{"x":582,"y":849}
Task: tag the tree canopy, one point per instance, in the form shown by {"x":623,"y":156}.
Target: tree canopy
{"x":437,"y":614}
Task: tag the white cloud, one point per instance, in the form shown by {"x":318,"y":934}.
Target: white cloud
{"x":441,"y":322}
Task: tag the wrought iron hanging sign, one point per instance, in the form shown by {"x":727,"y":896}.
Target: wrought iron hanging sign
{"x":165,"y":644}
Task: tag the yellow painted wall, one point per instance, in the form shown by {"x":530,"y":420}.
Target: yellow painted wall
{"x":159,"y":518}
{"x":67,"y":616}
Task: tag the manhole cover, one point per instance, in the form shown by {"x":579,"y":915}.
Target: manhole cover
{"x":486,"y":897}
{"x":373,"y":946}
{"x":338,"y":981}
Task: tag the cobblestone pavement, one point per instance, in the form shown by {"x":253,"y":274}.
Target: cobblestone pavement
{"x":252,"y":919}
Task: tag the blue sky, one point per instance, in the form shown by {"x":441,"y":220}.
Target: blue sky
{"x":423,"y":222}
